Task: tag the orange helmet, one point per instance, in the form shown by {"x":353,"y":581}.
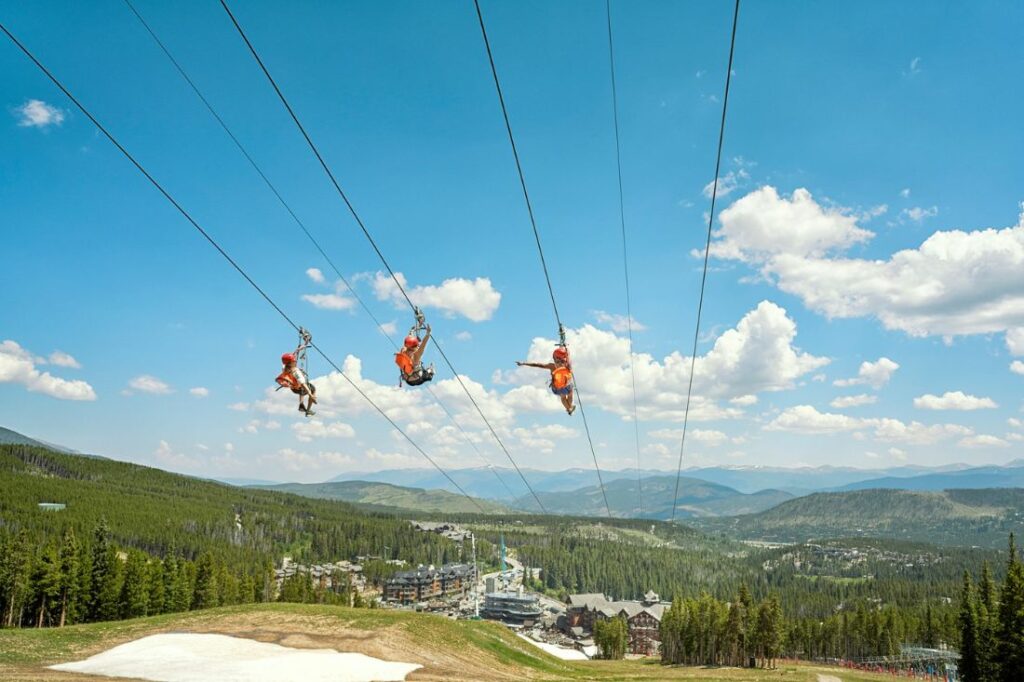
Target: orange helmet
{"x":287,"y":358}
{"x":561,"y":353}
{"x":411,"y":342}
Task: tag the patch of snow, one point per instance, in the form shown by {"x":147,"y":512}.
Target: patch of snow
{"x":186,"y":657}
{"x":558,"y":651}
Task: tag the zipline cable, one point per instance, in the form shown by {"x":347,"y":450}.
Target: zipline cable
{"x":373,"y":243}
{"x":536,"y":234}
{"x":625,"y":255}
{"x":270,"y":185}
{"x":707,"y":253}
{"x":206,"y":235}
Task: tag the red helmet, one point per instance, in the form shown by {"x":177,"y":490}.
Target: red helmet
{"x":411,"y":342}
{"x":560,"y":353}
{"x":287,"y":358}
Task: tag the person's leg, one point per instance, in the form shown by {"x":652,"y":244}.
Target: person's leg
{"x":567,"y":402}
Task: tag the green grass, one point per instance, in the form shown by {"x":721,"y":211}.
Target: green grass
{"x":476,"y":650}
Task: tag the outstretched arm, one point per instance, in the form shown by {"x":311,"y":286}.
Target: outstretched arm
{"x":539,"y":365}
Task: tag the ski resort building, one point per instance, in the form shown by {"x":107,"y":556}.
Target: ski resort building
{"x":428,"y":582}
{"x":643,"y":618}
{"x":512,"y":608}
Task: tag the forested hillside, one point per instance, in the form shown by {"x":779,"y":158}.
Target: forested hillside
{"x":160,"y":512}
{"x":386,"y":496}
{"x":951,"y":517}
{"x":696,"y":498}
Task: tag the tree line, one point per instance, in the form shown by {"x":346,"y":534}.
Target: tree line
{"x":991,"y":624}
{"x":92,"y":579}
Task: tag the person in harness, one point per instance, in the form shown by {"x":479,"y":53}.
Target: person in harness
{"x":294,"y":377}
{"x":410,"y":358}
{"x":561,"y":376}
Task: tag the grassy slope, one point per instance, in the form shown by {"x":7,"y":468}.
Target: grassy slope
{"x":388,"y":496}
{"x":448,"y":650}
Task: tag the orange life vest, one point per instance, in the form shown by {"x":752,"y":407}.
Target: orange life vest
{"x":404,"y":363}
{"x":561,"y":377}
{"x":289,"y":380}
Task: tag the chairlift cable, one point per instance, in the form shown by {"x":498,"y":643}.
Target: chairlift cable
{"x":373,"y":243}
{"x":206,"y":235}
{"x":270,"y":185}
{"x":707,"y":253}
{"x":536,"y":232}
{"x":625,"y":256}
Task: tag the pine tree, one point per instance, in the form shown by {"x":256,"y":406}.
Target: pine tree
{"x":929,"y":638}
{"x":69,"y":577}
{"x":157,"y":588}
{"x":46,"y":582}
{"x":749,"y":621}
{"x":134,"y":598}
{"x":17,"y":577}
{"x":612,"y":637}
{"x":205,"y":594}
{"x":988,"y":626}
{"x":103,"y":581}
{"x":734,"y":634}
{"x":1010,"y":647}
{"x":969,"y":668}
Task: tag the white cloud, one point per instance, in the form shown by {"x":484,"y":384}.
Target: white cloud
{"x":905,"y":192}
{"x":146,"y":383}
{"x":18,"y":366}
{"x":329,"y":301}
{"x":1017,"y":367}
{"x":874,"y":374}
{"x":808,"y":420}
{"x":166,"y":456}
{"x":727,"y":183}
{"x":303,"y":463}
{"x":854,"y":400}
{"x":1015,"y":423}
{"x":918,"y":214}
{"x":307,"y":430}
{"x":1015,"y":340}
{"x":763,"y":223}
{"x":199,"y":391}
{"x":743,"y":400}
{"x":389,"y":328}
{"x":618,"y":323}
{"x":62,"y":359}
{"x":36,"y":113}
{"x":953,"y":400}
{"x":983,"y":440}
{"x":475,"y":299}
{"x":898,"y":454}
{"x":239,"y":407}
{"x":757,"y":355}
{"x":463,"y":336}
{"x":916,"y":433}
{"x":255,"y":425}
{"x":915,"y":67}
{"x":709,"y":437}
{"x":954,"y":283}
{"x":316,"y":275}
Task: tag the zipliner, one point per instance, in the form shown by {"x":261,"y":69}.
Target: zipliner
{"x":561,"y":376}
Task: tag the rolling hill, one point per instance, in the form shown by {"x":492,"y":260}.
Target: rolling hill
{"x":1010,"y":476}
{"x":951,"y":517}
{"x":696,"y":498}
{"x":386,"y":496}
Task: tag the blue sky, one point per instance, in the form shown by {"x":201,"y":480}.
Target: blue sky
{"x":873,"y":186}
